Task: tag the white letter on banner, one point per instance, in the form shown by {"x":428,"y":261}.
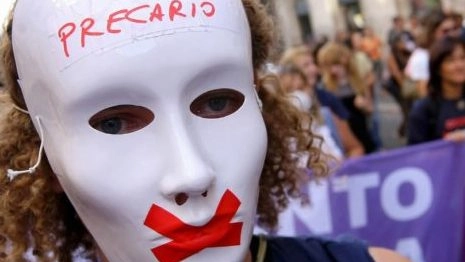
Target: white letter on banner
{"x":411,"y":248}
{"x":423,"y":194}
{"x":316,"y":216}
{"x":355,"y":186}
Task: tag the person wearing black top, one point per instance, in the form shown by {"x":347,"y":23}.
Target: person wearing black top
{"x":442,"y":113}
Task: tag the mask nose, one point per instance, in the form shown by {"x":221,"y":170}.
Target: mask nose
{"x":188,"y":175}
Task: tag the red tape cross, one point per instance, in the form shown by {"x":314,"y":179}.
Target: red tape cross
{"x":189,"y":240}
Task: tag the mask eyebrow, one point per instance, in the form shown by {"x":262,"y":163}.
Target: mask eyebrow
{"x":110,"y":95}
{"x":221,"y":74}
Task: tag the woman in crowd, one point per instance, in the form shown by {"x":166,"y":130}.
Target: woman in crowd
{"x":336,"y":117}
{"x":399,"y":54}
{"x":295,"y":87}
{"x":442,"y":113}
{"x":435,"y":25}
{"x":362,"y":62}
{"x":161,"y":149}
{"x":367,"y":70}
{"x":341,"y":77}
{"x":373,"y":46}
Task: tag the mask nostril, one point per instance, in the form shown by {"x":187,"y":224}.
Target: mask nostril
{"x":181,"y":198}
{"x":205,"y":194}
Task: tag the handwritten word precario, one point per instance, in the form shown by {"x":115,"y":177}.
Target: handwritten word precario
{"x":141,"y":14}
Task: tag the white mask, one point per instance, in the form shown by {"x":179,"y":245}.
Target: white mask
{"x":168,"y":188}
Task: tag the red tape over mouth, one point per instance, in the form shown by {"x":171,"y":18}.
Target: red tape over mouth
{"x":188,"y":240}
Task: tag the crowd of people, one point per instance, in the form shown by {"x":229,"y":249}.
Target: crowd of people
{"x":420,"y":64}
{"x":137,"y":147}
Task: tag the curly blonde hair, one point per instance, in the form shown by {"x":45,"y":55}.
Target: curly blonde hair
{"x":290,"y":55}
{"x":36,"y":215}
{"x":334,"y":53}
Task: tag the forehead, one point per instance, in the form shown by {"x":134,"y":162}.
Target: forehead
{"x":64,"y":32}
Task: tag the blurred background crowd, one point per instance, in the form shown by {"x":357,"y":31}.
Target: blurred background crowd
{"x":376,"y":75}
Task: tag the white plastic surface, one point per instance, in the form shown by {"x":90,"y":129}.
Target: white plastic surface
{"x":113,"y":180}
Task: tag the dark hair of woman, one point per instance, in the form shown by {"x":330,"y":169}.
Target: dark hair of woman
{"x":430,"y":22}
{"x":439,"y":52}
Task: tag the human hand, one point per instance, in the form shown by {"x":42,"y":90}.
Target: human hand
{"x":456,"y":136}
{"x":363,"y":104}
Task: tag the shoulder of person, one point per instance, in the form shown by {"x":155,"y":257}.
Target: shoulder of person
{"x":422,"y":104}
{"x":386,"y":255}
{"x":420,"y":54}
{"x":419,"y":51}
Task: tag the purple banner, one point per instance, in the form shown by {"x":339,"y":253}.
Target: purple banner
{"x":410,"y":200}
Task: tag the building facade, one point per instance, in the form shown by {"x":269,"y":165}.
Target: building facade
{"x":300,"y":21}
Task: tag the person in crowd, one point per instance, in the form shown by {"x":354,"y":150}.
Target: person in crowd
{"x":362,"y":62}
{"x":414,"y":28}
{"x":301,"y":57}
{"x":459,"y":25}
{"x":442,"y":113}
{"x":341,"y":77}
{"x":295,"y":86}
{"x":122,"y":143}
{"x":366,"y":68}
{"x":398,"y":27}
{"x":397,"y":60}
{"x":342,"y":37}
{"x":435,"y":25}
{"x":373,"y":47}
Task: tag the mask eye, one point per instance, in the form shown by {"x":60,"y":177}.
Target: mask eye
{"x":122,"y":119}
{"x":217,"y":103}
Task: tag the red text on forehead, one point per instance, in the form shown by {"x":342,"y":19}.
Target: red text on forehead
{"x":141,"y":14}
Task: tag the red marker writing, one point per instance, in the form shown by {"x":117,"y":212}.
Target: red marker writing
{"x":141,"y":14}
